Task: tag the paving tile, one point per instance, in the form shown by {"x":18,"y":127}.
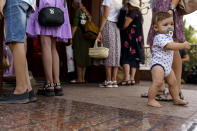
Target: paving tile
{"x":93,"y":109}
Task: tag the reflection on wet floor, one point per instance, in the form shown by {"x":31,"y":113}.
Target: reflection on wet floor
{"x":54,"y":114}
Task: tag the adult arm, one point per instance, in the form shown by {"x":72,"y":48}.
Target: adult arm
{"x":103,"y":22}
{"x":131,"y":15}
{"x":75,"y":23}
{"x":174,"y":4}
{"x":127,"y":22}
{"x":74,"y":28}
{"x":2,"y":4}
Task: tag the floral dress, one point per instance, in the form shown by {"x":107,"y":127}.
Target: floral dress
{"x":132,"y":52}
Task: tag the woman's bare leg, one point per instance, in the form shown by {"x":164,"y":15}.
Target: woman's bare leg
{"x":79,"y":74}
{"x":47,"y":58}
{"x":83,"y":73}
{"x":114,"y":73}
{"x":133,"y":71}
{"x":108,"y":73}
{"x":177,"y":68}
{"x":55,"y":62}
{"x":174,"y":91}
{"x":126,"y":68}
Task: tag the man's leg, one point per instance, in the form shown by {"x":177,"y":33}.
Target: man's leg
{"x":20,"y":94}
{"x":20,"y":66}
{"x":27,"y":71}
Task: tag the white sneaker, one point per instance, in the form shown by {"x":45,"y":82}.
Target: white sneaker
{"x":106,"y":84}
{"x":114,"y":84}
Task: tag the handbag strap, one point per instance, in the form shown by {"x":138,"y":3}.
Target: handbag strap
{"x":38,"y":3}
{"x":96,"y":44}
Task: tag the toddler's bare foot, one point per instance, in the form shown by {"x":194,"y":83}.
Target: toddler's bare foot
{"x":180,"y":102}
{"x":154,"y":103}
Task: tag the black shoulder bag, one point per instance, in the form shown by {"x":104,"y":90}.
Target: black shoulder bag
{"x":51,"y":16}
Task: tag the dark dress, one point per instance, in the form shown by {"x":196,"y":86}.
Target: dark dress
{"x":80,"y":44}
{"x":132,"y":41}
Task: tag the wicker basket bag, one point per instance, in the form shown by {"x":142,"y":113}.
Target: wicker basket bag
{"x":98,"y":52}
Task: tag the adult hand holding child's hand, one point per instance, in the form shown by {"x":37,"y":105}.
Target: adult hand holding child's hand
{"x":186,"y":45}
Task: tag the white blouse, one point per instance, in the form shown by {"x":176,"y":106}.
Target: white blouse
{"x":113,"y":10}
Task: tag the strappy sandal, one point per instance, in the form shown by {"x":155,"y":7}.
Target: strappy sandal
{"x":124,"y":83}
{"x":58,"y":91}
{"x":161,"y":96}
{"x":45,"y":91}
{"x":145,"y":95}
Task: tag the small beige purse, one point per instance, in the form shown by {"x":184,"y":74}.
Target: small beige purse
{"x":98,"y":52}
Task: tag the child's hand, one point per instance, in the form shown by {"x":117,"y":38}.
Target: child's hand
{"x":186,"y":45}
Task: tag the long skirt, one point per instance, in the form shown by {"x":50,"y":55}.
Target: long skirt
{"x":111,"y":40}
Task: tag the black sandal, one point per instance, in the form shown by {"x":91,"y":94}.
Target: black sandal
{"x":45,"y":91}
{"x":161,"y":96}
{"x":58,"y":91}
{"x":124,"y":83}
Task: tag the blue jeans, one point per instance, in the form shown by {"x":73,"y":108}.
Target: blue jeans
{"x":16,"y":13}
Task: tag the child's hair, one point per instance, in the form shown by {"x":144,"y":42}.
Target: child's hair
{"x":160,"y":16}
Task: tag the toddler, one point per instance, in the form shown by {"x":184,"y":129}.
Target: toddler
{"x":162,"y":57}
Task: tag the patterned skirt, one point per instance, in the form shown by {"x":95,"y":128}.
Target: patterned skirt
{"x":111,"y":40}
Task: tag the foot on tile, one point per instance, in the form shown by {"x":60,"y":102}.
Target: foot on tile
{"x":154,"y":103}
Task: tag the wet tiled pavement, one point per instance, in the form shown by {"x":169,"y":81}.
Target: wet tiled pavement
{"x":70,"y":113}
